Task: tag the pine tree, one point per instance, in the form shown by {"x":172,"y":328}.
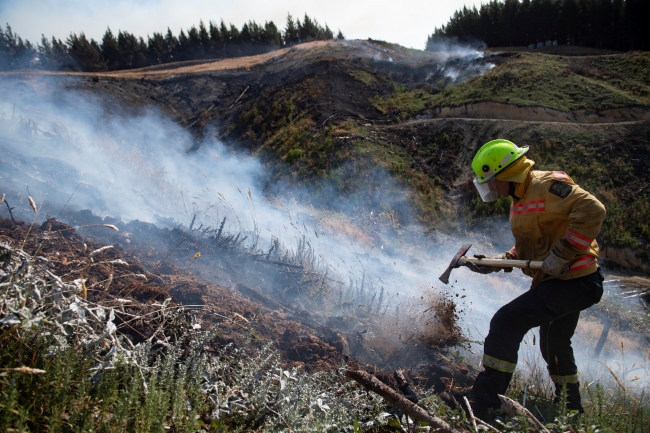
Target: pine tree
{"x":204,"y":37}
{"x":14,"y":52}
{"x":245,"y":36}
{"x":157,"y":49}
{"x":291,"y":32}
{"x":327,"y":33}
{"x":194,"y":49}
{"x":183,"y":46}
{"x":86,"y":53}
{"x":216,"y":40}
{"x":110,"y":51}
{"x":171,"y":42}
{"x":309,"y":30}
{"x":129,"y":49}
{"x":617,"y":24}
{"x":272,"y":35}
{"x":141,"y":59}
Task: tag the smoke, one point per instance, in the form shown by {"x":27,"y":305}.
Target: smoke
{"x":138,"y":165}
{"x":457,"y":59}
{"x":452,"y":48}
{"x":60,"y":145}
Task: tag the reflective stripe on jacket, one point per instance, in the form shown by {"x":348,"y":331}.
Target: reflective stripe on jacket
{"x":554,"y":213}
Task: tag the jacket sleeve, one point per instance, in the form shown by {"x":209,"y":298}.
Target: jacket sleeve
{"x":585,"y":214}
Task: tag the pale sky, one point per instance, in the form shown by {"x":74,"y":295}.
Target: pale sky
{"x":406,"y":22}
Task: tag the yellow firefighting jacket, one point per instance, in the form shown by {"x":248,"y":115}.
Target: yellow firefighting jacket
{"x":551,"y":212}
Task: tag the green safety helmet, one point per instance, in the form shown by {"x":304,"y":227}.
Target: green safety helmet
{"x":493,"y":157}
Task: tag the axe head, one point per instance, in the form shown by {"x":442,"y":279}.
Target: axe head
{"x":454,"y":262}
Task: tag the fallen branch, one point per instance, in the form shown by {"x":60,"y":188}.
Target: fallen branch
{"x":486,"y":425}
{"x":471,"y":414}
{"x":25,"y":370}
{"x":237,"y":100}
{"x":513,"y":409}
{"x":371,"y":383}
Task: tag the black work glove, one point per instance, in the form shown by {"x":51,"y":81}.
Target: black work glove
{"x":487,"y":269}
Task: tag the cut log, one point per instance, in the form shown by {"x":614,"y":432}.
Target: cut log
{"x":373,"y":384}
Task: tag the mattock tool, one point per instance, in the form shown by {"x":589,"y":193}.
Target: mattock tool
{"x":460,"y":260}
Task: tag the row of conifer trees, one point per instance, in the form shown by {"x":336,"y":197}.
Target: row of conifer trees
{"x":608,"y":24}
{"x":125,"y":50}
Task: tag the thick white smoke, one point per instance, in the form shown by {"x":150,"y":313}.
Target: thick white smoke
{"x":63,"y":145}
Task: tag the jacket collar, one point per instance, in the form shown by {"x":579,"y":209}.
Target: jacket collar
{"x":521,"y":188}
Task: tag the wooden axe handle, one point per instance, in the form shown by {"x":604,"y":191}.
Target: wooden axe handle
{"x":501,"y":263}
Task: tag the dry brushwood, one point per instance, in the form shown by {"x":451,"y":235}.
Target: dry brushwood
{"x":514,"y":409}
{"x":414,"y":411}
{"x":35,"y":297}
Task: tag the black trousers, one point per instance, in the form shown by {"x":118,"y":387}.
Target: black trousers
{"x":555,"y":307}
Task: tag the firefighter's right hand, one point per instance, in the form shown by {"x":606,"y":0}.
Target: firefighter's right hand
{"x":488,"y":269}
{"x":481,"y":269}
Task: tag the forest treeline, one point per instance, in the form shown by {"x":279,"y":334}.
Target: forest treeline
{"x":125,"y":50}
{"x":607,"y":24}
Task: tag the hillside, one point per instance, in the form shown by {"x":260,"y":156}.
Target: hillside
{"x":313,"y":111}
{"x":298,"y":206}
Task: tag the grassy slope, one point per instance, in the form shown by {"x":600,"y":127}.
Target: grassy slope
{"x":561,"y":83}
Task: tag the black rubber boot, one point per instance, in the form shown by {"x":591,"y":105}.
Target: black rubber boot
{"x":573,"y":399}
{"x":479,"y":408}
{"x":487,"y":386}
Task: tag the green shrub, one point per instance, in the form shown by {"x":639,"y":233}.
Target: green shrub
{"x":293,"y":155}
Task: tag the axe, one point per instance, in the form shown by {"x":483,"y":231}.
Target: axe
{"x":460,"y":260}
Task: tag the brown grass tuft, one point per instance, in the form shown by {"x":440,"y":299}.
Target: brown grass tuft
{"x":32,"y":204}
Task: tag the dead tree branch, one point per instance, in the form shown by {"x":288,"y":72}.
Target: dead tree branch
{"x":513,"y":409}
{"x":471,"y":414}
{"x":371,"y":383}
{"x":10,"y":213}
{"x":237,"y":100}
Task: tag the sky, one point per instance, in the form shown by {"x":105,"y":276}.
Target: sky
{"x":407,"y":23}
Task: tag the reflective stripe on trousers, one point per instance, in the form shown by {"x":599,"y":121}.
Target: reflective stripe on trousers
{"x":498,"y":364}
{"x":564,"y":380}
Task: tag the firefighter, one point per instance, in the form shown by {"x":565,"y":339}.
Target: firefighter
{"x":555,"y":221}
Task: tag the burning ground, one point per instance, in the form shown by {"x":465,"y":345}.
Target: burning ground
{"x":137,"y":287}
